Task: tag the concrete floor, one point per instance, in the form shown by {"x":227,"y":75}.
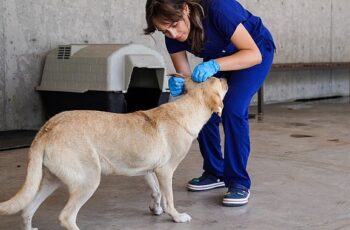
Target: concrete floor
{"x":299,"y":165}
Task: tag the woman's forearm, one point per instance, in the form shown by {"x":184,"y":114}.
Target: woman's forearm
{"x":240,"y":60}
{"x":180,"y":62}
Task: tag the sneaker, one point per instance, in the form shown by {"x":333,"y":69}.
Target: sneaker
{"x":236,"y":197}
{"x":205,"y":182}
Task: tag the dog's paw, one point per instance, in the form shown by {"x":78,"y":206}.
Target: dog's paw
{"x":182,"y":218}
{"x":156,"y":210}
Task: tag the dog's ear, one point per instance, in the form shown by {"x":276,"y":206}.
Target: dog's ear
{"x":215,"y":103}
{"x":189,"y":84}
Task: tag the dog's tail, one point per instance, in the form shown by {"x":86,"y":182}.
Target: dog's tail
{"x":31,"y":184}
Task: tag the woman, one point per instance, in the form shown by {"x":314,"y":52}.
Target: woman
{"x":233,"y":44}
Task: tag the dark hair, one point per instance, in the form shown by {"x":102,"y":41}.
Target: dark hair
{"x":171,"y":11}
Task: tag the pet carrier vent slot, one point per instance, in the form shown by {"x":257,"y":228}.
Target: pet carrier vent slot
{"x":64,"y":52}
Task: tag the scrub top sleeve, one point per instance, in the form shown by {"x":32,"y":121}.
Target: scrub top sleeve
{"x":226,"y":15}
{"x":174,"y":46}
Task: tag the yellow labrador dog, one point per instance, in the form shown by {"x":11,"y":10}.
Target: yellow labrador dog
{"x":74,"y":148}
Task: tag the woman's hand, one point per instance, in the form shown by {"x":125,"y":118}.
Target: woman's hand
{"x":205,"y":70}
{"x":176,"y":86}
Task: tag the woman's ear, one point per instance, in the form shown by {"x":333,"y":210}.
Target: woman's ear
{"x":186,"y":10}
{"x":215,"y":103}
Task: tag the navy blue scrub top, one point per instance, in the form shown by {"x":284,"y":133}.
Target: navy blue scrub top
{"x":219,"y":23}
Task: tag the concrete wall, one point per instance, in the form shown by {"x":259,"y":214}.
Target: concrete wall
{"x":304,"y":30}
{"x":307,"y":31}
{"x":2,"y":68}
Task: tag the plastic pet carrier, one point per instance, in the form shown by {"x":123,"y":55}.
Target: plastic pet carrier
{"x":109,"y":77}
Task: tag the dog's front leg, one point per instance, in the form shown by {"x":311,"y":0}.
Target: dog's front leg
{"x":165,"y":179}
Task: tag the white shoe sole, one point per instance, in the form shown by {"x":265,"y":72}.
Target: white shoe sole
{"x":205,"y":187}
{"x":235,"y":202}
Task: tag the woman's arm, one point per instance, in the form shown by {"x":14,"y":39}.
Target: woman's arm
{"x":248,"y":54}
{"x":181,"y":63}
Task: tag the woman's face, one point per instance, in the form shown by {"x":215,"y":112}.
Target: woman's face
{"x":176,"y":30}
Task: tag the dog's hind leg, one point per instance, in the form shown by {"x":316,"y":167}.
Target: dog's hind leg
{"x":165,"y":178}
{"x":154,"y":206}
{"x":79,"y":193}
{"x":48,"y":185}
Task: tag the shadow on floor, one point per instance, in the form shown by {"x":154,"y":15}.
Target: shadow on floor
{"x":15,"y":139}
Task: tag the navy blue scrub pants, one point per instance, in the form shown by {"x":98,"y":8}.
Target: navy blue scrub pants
{"x":243,"y":84}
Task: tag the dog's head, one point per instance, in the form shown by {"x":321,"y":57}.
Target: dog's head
{"x":213,"y":91}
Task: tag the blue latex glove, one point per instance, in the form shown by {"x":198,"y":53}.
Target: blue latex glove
{"x":205,"y":70}
{"x":176,"y":86}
